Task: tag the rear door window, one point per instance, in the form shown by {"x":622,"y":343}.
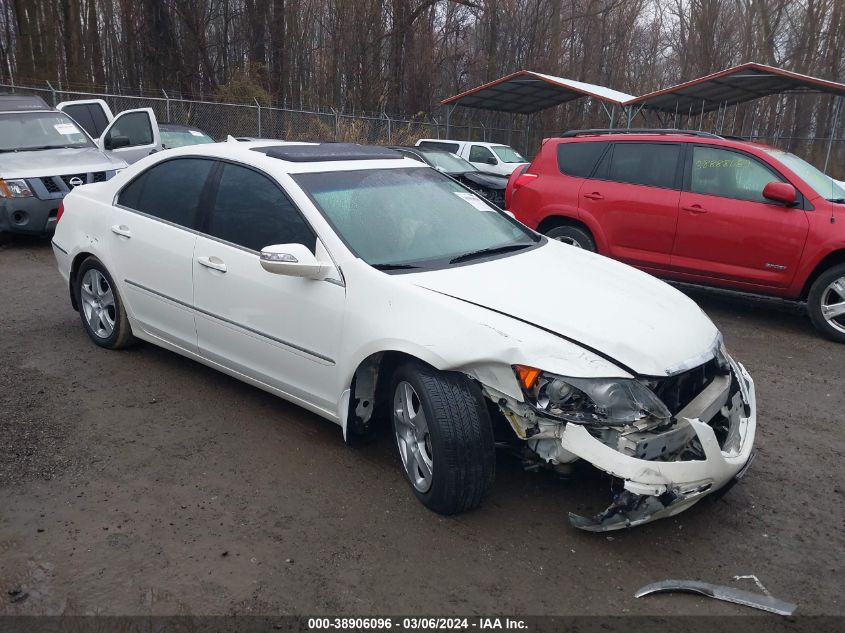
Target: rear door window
{"x":449,"y":147}
{"x":649,"y":164}
{"x":579,"y":159}
{"x":169,"y":191}
{"x":90,"y":116}
{"x":722,"y":172}
{"x":252,"y":211}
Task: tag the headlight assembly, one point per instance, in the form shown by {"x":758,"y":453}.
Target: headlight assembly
{"x":14,"y":189}
{"x":597,"y":401}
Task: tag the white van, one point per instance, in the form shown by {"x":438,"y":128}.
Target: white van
{"x":493,"y":158}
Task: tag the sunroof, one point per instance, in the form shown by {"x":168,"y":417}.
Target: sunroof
{"x":327,"y":151}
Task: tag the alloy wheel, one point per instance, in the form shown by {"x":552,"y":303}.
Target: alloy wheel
{"x":833,"y":304}
{"x":569,"y":240}
{"x":412,"y":436}
{"x":98,"y":303}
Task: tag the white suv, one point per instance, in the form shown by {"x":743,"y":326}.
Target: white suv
{"x":366,"y":287}
{"x":493,"y":158}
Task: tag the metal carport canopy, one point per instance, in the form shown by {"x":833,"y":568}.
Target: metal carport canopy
{"x":527,"y":92}
{"x":732,"y":86}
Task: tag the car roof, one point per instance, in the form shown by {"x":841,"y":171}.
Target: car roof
{"x":667,"y":136}
{"x":660,"y":136}
{"x":179,"y":126}
{"x":22,"y":103}
{"x":453,"y":141}
{"x":293,"y":157}
{"x":419,"y":150}
{"x":321,"y":152}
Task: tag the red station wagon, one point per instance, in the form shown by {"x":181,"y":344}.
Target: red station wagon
{"x":697,"y":208}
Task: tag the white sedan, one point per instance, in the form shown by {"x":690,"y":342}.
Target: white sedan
{"x":367,"y":288}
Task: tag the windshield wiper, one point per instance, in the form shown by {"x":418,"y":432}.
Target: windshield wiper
{"x":41,"y":147}
{"x":836,"y":200}
{"x":393,"y":266}
{"x":487,"y":251}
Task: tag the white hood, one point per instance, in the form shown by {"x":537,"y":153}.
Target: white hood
{"x":56,"y":162}
{"x":619,"y":311}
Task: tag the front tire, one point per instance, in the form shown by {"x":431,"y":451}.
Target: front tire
{"x":444,"y":437}
{"x":100,"y":306}
{"x":574,"y":236}
{"x":826,"y":303}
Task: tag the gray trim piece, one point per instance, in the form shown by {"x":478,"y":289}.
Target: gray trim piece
{"x":230,"y":322}
{"x":728,"y":594}
{"x":59,"y":247}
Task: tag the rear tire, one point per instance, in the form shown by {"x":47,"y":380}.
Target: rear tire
{"x":444,"y":437}
{"x":826,"y":299}
{"x":574,"y":236}
{"x":100,"y":306}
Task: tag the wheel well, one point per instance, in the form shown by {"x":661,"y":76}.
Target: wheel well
{"x":832,"y":259}
{"x":559,"y":220}
{"x":74,"y":267}
{"x":369,"y":400}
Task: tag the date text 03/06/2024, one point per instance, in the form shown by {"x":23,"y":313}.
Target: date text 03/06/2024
{"x":376,"y":623}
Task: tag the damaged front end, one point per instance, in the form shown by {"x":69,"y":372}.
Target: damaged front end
{"x":670,"y":441}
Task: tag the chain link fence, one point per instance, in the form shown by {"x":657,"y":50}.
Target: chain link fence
{"x":220,"y":120}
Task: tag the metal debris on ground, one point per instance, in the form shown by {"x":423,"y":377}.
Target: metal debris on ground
{"x":764,"y":602}
{"x":17,"y":594}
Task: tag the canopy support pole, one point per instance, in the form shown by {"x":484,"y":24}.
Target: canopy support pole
{"x":836,"y":111}
{"x":527,"y":131}
{"x":609,"y":113}
{"x":448,"y":119}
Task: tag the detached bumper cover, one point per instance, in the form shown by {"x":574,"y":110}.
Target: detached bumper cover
{"x":657,"y":489}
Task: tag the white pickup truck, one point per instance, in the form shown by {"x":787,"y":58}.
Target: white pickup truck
{"x":129,"y":135}
{"x":492,"y":158}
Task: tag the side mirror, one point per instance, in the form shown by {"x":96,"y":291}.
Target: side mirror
{"x":781,"y":192}
{"x":115,"y":142}
{"x":491,"y":161}
{"x":294,"y":260}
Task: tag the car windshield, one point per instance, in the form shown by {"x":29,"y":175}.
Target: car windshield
{"x":28,"y":131}
{"x":448,"y":162}
{"x":180,"y":137}
{"x":818,"y":180}
{"x":508,"y":154}
{"x":409,"y":218}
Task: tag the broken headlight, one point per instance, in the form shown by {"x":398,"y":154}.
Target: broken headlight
{"x":602,"y":401}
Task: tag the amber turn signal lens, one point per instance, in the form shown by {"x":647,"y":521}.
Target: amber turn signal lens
{"x":527,"y":375}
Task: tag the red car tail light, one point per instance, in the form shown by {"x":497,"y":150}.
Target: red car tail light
{"x":523,"y":180}
{"x":60,"y":211}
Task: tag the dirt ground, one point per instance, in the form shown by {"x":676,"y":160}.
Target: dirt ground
{"x":139,"y":482}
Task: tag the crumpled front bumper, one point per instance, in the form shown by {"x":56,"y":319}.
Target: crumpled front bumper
{"x":657,"y":489}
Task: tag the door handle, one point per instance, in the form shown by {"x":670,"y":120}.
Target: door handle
{"x":594,"y":196}
{"x":695,"y":209}
{"x":122,"y":230}
{"x":212,"y":262}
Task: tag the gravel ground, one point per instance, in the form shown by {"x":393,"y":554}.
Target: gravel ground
{"x":139,"y":482}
